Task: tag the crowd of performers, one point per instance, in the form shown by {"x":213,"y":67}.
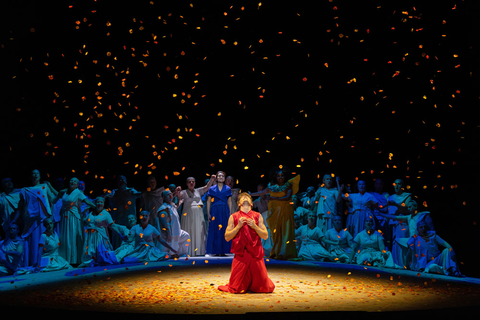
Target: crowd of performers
{"x":49,"y":227}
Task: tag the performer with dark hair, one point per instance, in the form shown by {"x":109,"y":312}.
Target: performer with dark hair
{"x":246,"y":229}
{"x":280,"y":217}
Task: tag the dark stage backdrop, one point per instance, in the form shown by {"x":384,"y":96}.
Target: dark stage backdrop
{"x":362,"y":89}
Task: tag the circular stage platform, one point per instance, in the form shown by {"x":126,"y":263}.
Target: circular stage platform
{"x":189,"y":287}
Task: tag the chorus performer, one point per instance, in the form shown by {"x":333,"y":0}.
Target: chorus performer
{"x":281,"y":214}
{"x":219,"y":202}
{"x":192,"y":220}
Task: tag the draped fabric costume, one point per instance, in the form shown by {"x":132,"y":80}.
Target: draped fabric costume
{"x":15,"y":261}
{"x":311,"y":248}
{"x":127,"y":246}
{"x":356,"y":221}
{"x":97,"y":249}
{"x":71,"y":227}
{"x":151,"y":201}
{"x":8,"y":208}
{"x":399,"y":228}
{"x":281,"y":221}
{"x":168,"y":221}
{"x":428,"y":257}
{"x":326,"y":207}
{"x":123,"y":204}
{"x":145,"y":250}
{"x":51,"y":260}
{"x":400,"y":245}
{"x":219,"y":213}
{"x":343,"y":249}
{"x":370,"y":253}
{"x":36,"y":202}
{"x":192,"y":220}
{"x":248,"y":268}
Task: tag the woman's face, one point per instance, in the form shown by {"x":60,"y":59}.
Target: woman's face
{"x":191,"y":184}
{"x":13,"y":230}
{"x":368,"y":225}
{"x":422,"y":230}
{"x":35,"y":176}
{"x":280,"y":177}
{"x":49,"y":225}
{"x":152,"y":183}
{"x":312,"y":219}
{"x":132,"y":220}
{"x":99,"y":204}
{"x":362,"y":187}
{"x":378,"y":185}
{"x":74,"y":183}
{"x":220,"y":177}
{"x":144,"y":217}
{"x":229,"y":182}
{"x":398,"y":186}
{"x":337,"y":222}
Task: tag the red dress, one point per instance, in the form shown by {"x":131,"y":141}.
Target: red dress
{"x":248,"y":268}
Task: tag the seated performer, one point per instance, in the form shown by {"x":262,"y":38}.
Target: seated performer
{"x":311,"y":236}
{"x":369,"y":248}
{"x":11,"y":251}
{"x":97,"y":248}
{"x":246,"y":229}
{"x":128,"y":244}
{"x":145,"y":250}
{"x":427,"y":255}
{"x":169,"y":227}
{"x":50,"y":260}
{"x":400,"y":250}
{"x":338,"y":240}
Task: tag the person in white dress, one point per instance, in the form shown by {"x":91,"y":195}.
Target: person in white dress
{"x":362,"y":205}
{"x":400,"y":245}
{"x":128,"y":244}
{"x":97,"y":248}
{"x":35,"y":206}
{"x":192,"y":220}
{"x":327,"y":200}
{"x":145,"y":235}
{"x":312,"y":247}
{"x":170,"y":228}
{"x":369,"y":248}
{"x":381,"y":199}
{"x":11,"y":251}
{"x":397,"y":205}
{"x":338,"y":241}
{"x":49,"y":258}
{"x":72,"y":234}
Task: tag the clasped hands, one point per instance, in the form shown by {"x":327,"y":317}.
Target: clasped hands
{"x":250,"y":222}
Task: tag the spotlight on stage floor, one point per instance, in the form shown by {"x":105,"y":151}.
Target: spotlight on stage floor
{"x":189,"y":287}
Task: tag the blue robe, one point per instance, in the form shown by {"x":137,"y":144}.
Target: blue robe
{"x":219,"y":213}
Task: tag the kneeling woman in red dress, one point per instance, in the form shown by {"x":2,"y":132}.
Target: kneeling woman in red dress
{"x":246,"y":229}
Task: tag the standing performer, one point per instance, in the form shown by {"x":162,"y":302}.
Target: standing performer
{"x":72,"y":234}
{"x":123,"y":203}
{"x":192,"y":220}
{"x":9,"y":201}
{"x":280,"y":214}
{"x":219,"y":198}
{"x":35,"y":206}
{"x":246,"y":229}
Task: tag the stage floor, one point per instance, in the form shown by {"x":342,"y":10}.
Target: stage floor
{"x":189,"y":287}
